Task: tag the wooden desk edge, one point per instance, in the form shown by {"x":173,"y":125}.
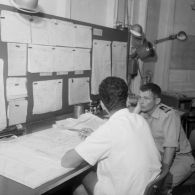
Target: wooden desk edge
{"x":61,"y":179}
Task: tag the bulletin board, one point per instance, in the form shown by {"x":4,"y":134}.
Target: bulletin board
{"x":43,"y":68}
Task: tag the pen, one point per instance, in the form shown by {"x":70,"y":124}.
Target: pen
{"x":72,"y":129}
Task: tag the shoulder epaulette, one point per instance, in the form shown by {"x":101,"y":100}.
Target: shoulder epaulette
{"x":165,"y":109}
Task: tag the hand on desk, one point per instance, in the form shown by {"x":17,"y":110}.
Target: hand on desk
{"x":85,"y":132}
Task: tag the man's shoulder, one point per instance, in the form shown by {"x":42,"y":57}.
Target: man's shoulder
{"x":165,"y":109}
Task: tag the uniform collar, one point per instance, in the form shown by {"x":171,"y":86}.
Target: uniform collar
{"x":156,"y":112}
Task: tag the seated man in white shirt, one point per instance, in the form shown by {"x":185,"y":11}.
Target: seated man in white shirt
{"x":123,"y":148}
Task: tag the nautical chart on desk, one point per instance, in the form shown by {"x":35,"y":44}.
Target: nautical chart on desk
{"x":35,"y":159}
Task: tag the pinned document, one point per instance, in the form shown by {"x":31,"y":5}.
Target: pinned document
{"x":82,"y":36}
{"x":40,"y":29}
{"x":47,"y":96}
{"x":17,"y":111}
{"x":101,"y":63}
{"x":78,"y":90}
{"x":81,"y":59}
{"x":17,"y":23}
{"x":61,"y":33}
{"x":119,"y":59}
{"x":16,"y":88}
{"x":3,"y":120}
{"x":63,"y":59}
{"x":17,"y":59}
{"x":40,"y":58}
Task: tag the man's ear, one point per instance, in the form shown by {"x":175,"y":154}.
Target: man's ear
{"x":158,"y":100}
{"x":104,"y":107}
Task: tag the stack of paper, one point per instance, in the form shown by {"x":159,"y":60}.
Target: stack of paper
{"x":86,"y":120}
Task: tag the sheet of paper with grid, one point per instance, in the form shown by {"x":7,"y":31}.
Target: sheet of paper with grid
{"x":35,"y":159}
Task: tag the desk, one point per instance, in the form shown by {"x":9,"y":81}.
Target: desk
{"x":31,"y":164}
{"x":11,"y":187}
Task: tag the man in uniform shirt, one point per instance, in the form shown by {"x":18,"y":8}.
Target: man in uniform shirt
{"x":123,"y":148}
{"x":171,"y":141}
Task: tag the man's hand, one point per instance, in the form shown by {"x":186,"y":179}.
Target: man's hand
{"x":85,"y":132}
{"x":137,"y":109}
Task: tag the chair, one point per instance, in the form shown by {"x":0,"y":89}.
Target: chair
{"x":188,"y":122}
{"x":189,"y":181}
{"x":192,"y":141}
{"x":154,"y":186}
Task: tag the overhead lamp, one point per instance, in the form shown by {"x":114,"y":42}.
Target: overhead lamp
{"x":181,"y":36}
{"x":144,"y":51}
{"x":136,"y":30}
{"x":28,"y":6}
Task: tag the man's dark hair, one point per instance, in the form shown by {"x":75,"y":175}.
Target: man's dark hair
{"x":113,"y":92}
{"x":154,"y":88}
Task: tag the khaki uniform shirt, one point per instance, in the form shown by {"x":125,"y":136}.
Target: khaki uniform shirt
{"x":165,"y":124}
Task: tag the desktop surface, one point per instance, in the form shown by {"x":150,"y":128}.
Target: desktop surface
{"x":32,"y":163}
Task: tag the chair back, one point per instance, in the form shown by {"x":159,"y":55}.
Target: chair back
{"x":154,"y":186}
{"x":192,"y":139}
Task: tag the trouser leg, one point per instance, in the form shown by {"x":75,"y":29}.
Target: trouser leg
{"x":89,"y":182}
{"x":179,"y":171}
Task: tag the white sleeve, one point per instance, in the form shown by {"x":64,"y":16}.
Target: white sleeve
{"x":95,"y":147}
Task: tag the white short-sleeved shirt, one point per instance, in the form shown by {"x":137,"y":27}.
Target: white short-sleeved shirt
{"x":126,"y":154}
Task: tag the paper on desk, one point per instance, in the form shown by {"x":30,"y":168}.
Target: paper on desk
{"x":86,"y":120}
{"x":34,"y":159}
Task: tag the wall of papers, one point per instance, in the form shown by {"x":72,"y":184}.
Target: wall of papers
{"x":51,"y":63}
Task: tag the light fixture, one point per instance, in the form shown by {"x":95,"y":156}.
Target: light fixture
{"x":181,"y":36}
{"x":193,"y":5}
{"x":28,"y":6}
{"x":136,"y":30}
{"x":144,"y":51}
